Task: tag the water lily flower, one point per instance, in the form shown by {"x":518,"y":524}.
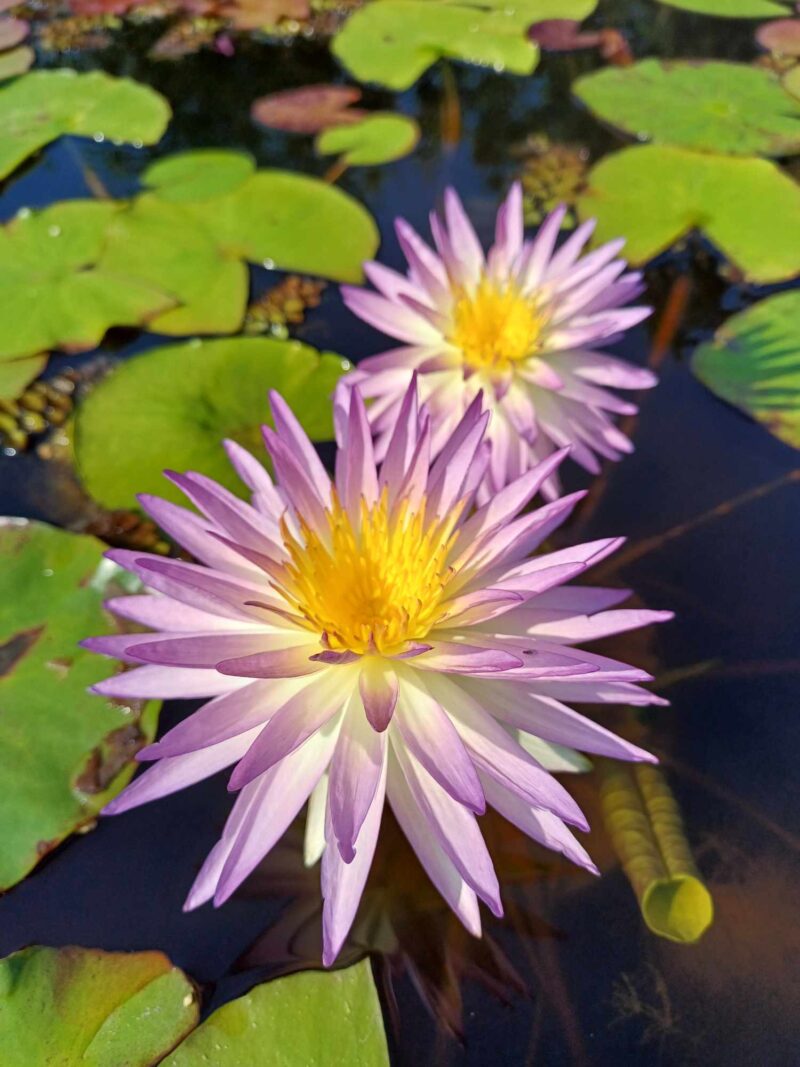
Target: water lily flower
{"x":369,"y":637}
{"x":522,"y":324}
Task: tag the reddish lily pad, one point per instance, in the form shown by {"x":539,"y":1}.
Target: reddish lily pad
{"x":782,"y":36}
{"x":309,"y":109}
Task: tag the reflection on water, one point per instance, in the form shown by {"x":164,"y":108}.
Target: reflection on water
{"x":571,"y":975}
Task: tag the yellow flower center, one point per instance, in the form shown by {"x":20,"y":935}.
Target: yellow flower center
{"x":495,"y":326}
{"x":375,"y":587}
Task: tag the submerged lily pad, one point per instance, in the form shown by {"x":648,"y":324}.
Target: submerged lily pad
{"x":393,"y":42}
{"x":726,"y":107}
{"x":730,"y":9}
{"x":653,"y":195}
{"x":63,"y":752}
{"x":45,"y":104}
{"x":53,"y":293}
{"x":754,"y":363}
{"x":64,"y":1007}
{"x":379,"y":138}
{"x":177,"y":404}
{"x":306,"y":1020}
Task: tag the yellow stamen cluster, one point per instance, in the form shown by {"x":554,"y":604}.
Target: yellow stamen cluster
{"x":374,"y":586}
{"x":496,"y":326}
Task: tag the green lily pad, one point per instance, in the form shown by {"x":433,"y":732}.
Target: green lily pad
{"x":199,"y":175}
{"x":379,"y":138}
{"x":791,"y":80}
{"x":177,"y":404}
{"x":76,"y":1007}
{"x":46,"y":104}
{"x":754,"y":363}
{"x":306,"y":1020}
{"x":724,"y":107}
{"x":16,"y":374}
{"x":654,"y":195}
{"x":63,"y":752}
{"x":53,"y":291}
{"x":393,"y":42}
{"x":730,"y":9}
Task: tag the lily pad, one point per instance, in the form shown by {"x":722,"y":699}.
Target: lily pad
{"x":725,"y":107}
{"x":12,"y":32}
{"x":63,"y":752}
{"x":16,"y":62}
{"x":16,"y":373}
{"x":646,"y":829}
{"x":730,"y":9}
{"x":781,"y":37}
{"x":186,"y":399}
{"x":654,"y":195}
{"x":53,"y":291}
{"x":393,"y":42}
{"x":379,"y":138}
{"x":306,"y":1020}
{"x":76,"y":1007}
{"x":754,"y":363}
{"x":199,"y":175}
{"x":309,"y":109}
{"x":45,"y":104}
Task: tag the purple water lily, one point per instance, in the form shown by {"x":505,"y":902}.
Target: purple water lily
{"x":367,"y":638}
{"x":522,"y":324}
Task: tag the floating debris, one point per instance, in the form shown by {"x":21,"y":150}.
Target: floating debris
{"x":283,"y":306}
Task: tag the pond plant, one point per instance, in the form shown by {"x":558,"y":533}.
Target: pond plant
{"x":401,"y":657}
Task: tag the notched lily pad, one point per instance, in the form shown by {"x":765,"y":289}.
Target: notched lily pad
{"x":76,"y":1007}
{"x":306,"y":1020}
{"x":55,"y":293}
{"x":654,"y":195}
{"x":379,"y":138}
{"x":63,"y":752}
{"x":199,"y":175}
{"x":725,"y":107}
{"x":393,"y":42}
{"x":187,"y":398}
{"x":46,"y":104}
{"x":754,"y":363}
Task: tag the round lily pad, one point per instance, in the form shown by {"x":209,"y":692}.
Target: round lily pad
{"x":16,"y":61}
{"x":781,"y":37}
{"x":393,"y":42}
{"x":198,"y":175}
{"x":61,"y":1007}
{"x":64,"y":752}
{"x":754,"y":363}
{"x":654,"y":195}
{"x":45,"y":104}
{"x":724,"y":107}
{"x":379,"y":138}
{"x":173,"y":406}
{"x":15,"y":375}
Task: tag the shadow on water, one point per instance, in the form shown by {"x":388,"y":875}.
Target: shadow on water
{"x":571,"y":975}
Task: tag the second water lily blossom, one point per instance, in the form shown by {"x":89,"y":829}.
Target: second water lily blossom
{"x":371,"y":638}
{"x":522,"y":324}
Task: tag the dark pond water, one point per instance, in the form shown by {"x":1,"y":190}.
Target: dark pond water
{"x":571,"y":975}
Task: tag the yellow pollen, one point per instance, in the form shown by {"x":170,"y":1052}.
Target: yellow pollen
{"x":495,"y":326}
{"x":375,"y":587}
